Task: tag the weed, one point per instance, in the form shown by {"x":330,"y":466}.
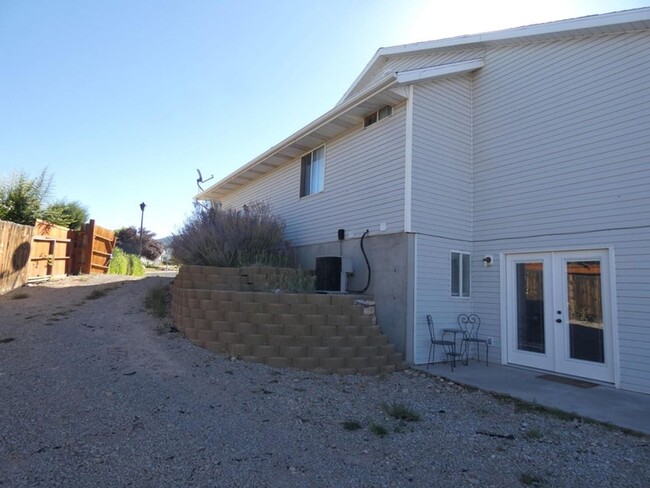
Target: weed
{"x":19,"y":296}
{"x":157,"y":301}
{"x":531,"y":480}
{"x":533,"y":434}
{"x":351,"y":425}
{"x":379,"y":430}
{"x":401,"y":412}
{"x":95,"y":294}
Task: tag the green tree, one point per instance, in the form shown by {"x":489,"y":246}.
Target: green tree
{"x":21,"y":197}
{"x":128,"y":239}
{"x":68,"y":214}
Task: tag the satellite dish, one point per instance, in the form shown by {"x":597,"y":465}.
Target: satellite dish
{"x":201,"y":180}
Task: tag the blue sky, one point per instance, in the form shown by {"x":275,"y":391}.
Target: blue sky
{"x":123,"y":100}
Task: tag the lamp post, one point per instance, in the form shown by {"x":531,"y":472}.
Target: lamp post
{"x":142,"y":205}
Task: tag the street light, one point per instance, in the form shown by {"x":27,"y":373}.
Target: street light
{"x":142,"y":205}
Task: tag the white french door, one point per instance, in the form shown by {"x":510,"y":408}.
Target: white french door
{"x":559,"y":312}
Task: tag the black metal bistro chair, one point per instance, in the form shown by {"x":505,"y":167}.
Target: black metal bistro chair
{"x":449,"y":347}
{"x":470,"y":325}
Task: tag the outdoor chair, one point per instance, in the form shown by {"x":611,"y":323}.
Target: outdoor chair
{"x":470,"y":325}
{"x":449,"y":347}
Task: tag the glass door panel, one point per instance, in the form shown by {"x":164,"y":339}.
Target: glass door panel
{"x":530,"y":307}
{"x":585,"y":311}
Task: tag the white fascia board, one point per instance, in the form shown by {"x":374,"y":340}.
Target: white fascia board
{"x":383,"y":84}
{"x":426,"y":74}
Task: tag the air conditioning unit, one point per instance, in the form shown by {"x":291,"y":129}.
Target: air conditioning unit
{"x":331,"y":273}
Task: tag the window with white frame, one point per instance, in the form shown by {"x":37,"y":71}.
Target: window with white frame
{"x":312,"y":172}
{"x":382,"y":113}
{"x":460,"y":278}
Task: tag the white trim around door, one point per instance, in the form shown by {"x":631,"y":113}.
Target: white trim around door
{"x":559,"y":312}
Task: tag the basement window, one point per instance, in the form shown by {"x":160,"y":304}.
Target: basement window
{"x":460,"y":278}
{"x":312,"y":172}
{"x":382,"y":113}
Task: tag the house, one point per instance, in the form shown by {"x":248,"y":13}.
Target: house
{"x":506,"y":174}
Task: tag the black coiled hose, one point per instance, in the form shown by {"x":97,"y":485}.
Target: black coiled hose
{"x":365,"y":256}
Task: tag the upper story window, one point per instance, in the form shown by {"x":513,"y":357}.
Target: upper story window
{"x":382,"y":113}
{"x":460,"y":274}
{"x":312,"y":172}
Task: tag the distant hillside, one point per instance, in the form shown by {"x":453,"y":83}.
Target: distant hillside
{"x":166,"y":241}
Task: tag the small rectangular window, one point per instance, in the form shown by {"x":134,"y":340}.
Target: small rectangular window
{"x":312,"y":172}
{"x":460,"y":276}
{"x":382,"y":113}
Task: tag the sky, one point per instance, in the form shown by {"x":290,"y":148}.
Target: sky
{"x":122,"y":101}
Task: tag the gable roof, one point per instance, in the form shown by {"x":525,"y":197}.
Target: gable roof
{"x":615,"y":22}
{"x":373,"y":90}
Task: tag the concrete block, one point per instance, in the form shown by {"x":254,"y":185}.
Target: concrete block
{"x":379,"y":361}
{"x":191,"y":333}
{"x":206,"y":335}
{"x":271,"y":329}
{"x":328,"y":309}
{"x":208,"y":305}
{"x":251,"y":307}
{"x":334,"y":341}
{"x":261,"y":318}
{"x":277,"y":308}
{"x":292,"y":351}
{"x":314,"y":320}
{"x":325,"y":331}
{"x":367,"y":351}
{"x":385,"y":350}
{"x":236,"y":316}
{"x":292,"y":298}
{"x":288,"y":319}
{"x":378,"y":340}
{"x":388,"y":369}
{"x":306,"y":363}
{"x":356,"y":363}
{"x":339,"y":320}
{"x":304,"y":308}
{"x":242,"y":296}
{"x":319,"y":352}
{"x":221,"y":326}
{"x":229,"y":337}
{"x":245,"y":328}
{"x":363,"y":320}
{"x":228,"y":306}
{"x":254,"y":339}
{"x":308,"y":340}
{"x":197,"y":342}
{"x":197,"y":313}
{"x":344,"y":300}
{"x":348,"y":330}
{"x":220,"y":295}
{"x":279,"y":340}
{"x":265,"y":351}
{"x":332,"y":364}
{"x":267,"y":297}
{"x":358,"y":341}
{"x":316,"y":299}
{"x":252,"y":359}
{"x":213,"y":315}
{"x":215,"y":346}
{"x":203,"y":295}
{"x":202,"y":324}
{"x":297,"y":330}
{"x":345,"y":351}
{"x":239,"y":350}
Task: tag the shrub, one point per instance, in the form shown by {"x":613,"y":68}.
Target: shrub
{"x":125,"y":264}
{"x":119,"y":262}
{"x":214,"y":236}
{"x":128,"y":239}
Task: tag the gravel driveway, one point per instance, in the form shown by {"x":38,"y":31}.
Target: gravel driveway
{"x":94,"y":393}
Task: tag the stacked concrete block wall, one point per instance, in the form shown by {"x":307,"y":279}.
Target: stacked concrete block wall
{"x":217,"y":308}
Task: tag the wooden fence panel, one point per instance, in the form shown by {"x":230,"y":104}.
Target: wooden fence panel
{"x":51,"y":250}
{"x":96,"y":248}
{"x":15,"y":248}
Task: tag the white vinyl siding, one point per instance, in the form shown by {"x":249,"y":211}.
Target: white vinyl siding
{"x":364,"y":188}
{"x":441,"y":169}
{"x":561,"y":144}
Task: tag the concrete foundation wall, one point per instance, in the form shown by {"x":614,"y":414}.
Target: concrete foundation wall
{"x":390,"y":257}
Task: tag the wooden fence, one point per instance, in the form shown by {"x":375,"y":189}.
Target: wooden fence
{"x":47,"y":250}
{"x":15,"y":248}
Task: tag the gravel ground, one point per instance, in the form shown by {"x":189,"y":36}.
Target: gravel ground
{"x":96,"y":392}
